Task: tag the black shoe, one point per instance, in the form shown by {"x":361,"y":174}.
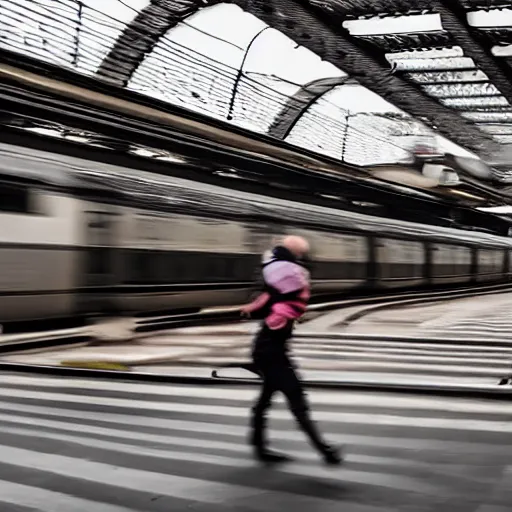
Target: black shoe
{"x":332,"y":456}
{"x":270,"y":457}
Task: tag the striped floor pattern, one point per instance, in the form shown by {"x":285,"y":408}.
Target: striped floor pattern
{"x":492,"y":325}
{"x":370,"y":360}
{"x":70,"y":445}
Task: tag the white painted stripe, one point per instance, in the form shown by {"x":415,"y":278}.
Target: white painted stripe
{"x":471,"y":325}
{"x":220,"y":428}
{"x":325,"y":398}
{"x":462,"y":360}
{"x":449,"y":342}
{"x":370,"y":418}
{"x":489,"y":333}
{"x":207,"y":444}
{"x":187,"y":488}
{"x":438,"y":350}
{"x":432,"y":359}
{"x":375,"y":380}
{"x":480,"y":323}
{"x":456,"y":351}
{"x":396,"y":482}
{"x":403,"y":339}
{"x":50,"y":501}
{"x":485,"y":332}
{"x":409,"y":348}
{"x":391,"y":367}
{"x":343,"y":364}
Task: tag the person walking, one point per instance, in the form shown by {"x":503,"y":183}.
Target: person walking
{"x":283,"y":301}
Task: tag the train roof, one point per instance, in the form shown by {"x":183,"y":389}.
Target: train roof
{"x":167,"y":193}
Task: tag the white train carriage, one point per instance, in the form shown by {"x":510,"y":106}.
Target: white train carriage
{"x":339,"y":260}
{"x":490,"y":264}
{"x":39,"y":243}
{"x":81,"y":237}
{"x":172,"y":261}
{"x":399,"y":263}
{"x":450,"y":263}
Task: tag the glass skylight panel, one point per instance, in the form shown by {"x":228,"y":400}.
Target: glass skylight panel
{"x":490,"y":19}
{"x":441,"y":64}
{"x":434,"y":53}
{"x":200,"y":72}
{"x":394,"y":25}
{"x":502,"y":51}
{"x":458,"y":90}
{"x":42,"y":29}
{"x":102,"y":22}
{"x":322,"y":128}
{"x":433,"y":59}
{"x":185,"y":77}
{"x":493,"y":101}
{"x":358,"y":138}
{"x":448,"y":76}
{"x":373,"y":140}
{"x":69,"y":33}
{"x":488,"y":117}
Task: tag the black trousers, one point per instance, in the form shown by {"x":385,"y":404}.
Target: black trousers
{"x":279,"y":375}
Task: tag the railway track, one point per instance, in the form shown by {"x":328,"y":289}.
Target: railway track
{"x":331,"y":359}
{"x":213,"y":316}
{"x":321,"y":305}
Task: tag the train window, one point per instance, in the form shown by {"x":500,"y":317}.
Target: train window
{"x":14,"y":198}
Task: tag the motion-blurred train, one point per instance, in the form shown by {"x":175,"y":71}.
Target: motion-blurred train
{"x":79,"y":237}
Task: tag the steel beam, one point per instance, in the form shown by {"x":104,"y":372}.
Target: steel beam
{"x":299,"y":104}
{"x":454,"y":20}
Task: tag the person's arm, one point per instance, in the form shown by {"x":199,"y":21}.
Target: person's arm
{"x":256,"y":305}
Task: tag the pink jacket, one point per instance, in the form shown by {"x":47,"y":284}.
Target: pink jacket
{"x":289,"y":295}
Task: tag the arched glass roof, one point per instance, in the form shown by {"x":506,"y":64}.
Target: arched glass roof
{"x":248,"y":74}
{"x":197,"y":65}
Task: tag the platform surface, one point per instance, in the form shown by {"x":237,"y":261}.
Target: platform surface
{"x":479,"y":353}
{"x":471,"y":316}
{"x":100,"y":446}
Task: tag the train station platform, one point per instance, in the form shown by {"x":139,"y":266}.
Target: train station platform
{"x":472,"y":317}
{"x":462,"y":343}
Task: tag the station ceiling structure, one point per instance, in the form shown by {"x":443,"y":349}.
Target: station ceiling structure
{"x":446,"y":63}
{"x":442,"y":61}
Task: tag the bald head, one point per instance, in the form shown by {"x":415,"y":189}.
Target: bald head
{"x":296,"y":245}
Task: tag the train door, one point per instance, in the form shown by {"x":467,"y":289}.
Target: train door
{"x":99,"y":259}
